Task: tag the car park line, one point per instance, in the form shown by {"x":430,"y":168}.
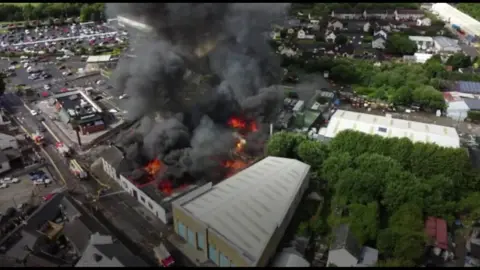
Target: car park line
{"x":62,"y":39}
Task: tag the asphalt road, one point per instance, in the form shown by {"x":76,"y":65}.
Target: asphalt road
{"x":31,"y":123}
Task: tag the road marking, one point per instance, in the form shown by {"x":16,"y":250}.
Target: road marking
{"x":47,"y":155}
{"x":51,"y":132}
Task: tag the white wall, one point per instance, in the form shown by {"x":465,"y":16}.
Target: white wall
{"x":5,"y":166}
{"x":126,"y":185}
{"x":7,"y":141}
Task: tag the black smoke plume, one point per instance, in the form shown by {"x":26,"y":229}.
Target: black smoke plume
{"x":197,"y":66}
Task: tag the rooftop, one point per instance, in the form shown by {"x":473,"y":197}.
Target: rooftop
{"x":248,"y":207}
{"x":446,"y":42}
{"x":77,"y":103}
{"x":98,"y":58}
{"x":103,"y":251}
{"x":344,"y":239}
{"x":468,"y":87}
{"x":391,"y":127}
{"x":436,"y":228}
{"x":420,"y":38}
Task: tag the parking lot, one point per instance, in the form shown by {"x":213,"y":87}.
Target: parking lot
{"x":73,"y":37}
{"x":23,"y":191}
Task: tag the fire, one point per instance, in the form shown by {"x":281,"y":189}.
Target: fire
{"x":166,"y":187}
{"x":237,"y":123}
{"x":234,"y":166}
{"x":240,"y":144}
{"x":153,"y":167}
{"x":253,"y":127}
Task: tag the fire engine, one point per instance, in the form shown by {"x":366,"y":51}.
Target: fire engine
{"x":38,"y":138}
{"x":77,"y":170}
{"x":63,"y":149}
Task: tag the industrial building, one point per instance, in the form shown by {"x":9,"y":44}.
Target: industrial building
{"x":95,"y":62}
{"x":78,"y":107}
{"x":119,"y":168}
{"x":423,"y":43}
{"x":240,"y":221}
{"x":454,"y":16}
{"x":459,"y":104}
{"x":389,"y":127}
{"x":445,"y":45}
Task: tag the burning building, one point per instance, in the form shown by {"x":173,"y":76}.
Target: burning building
{"x":200,"y":93}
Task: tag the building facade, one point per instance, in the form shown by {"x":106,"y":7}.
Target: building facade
{"x":240,"y":221}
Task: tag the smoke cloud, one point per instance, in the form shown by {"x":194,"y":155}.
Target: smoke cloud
{"x":201,"y":64}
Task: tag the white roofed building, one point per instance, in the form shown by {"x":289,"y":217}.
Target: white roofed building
{"x":240,"y":221}
{"x":391,"y":127}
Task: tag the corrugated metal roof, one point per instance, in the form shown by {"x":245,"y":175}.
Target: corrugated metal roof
{"x":420,"y":38}
{"x":473,"y":104}
{"x":447,"y":42}
{"x":436,"y":228}
{"x":248,"y":207}
{"x":98,"y":58}
{"x":468,"y":87}
{"x":392,"y":127}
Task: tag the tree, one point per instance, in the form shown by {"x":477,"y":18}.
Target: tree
{"x":359,"y":186}
{"x":364,"y":221}
{"x":408,"y":217}
{"x":341,"y":40}
{"x":459,"y":60}
{"x":401,"y":245}
{"x":428,"y":97}
{"x":395,"y":263}
{"x":312,"y":153}
{"x":86,"y":13}
{"x":284,"y":144}
{"x":400,"y":45}
{"x":406,"y":189}
{"x":334,"y":165}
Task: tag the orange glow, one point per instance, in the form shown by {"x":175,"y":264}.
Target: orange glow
{"x":153,"y":167}
{"x":235,"y":164}
{"x":253,"y":127}
{"x":240,"y":144}
{"x":236,"y":123}
{"x":165,"y":187}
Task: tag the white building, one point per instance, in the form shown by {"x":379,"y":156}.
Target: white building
{"x":423,"y":43}
{"x":391,"y":127}
{"x":446,"y":45}
{"x":302,"y":35}
{"x":243,"y":219}
{"x":8,"y":142}
{"x":457,"y":110}
{"x":452,"y":15}
{"x":424,"y":22}
{"x":118,"y":167}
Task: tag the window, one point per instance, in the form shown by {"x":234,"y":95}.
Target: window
{"x":191,"y":237}
{"x":181,"y":230}
{"x":224,"y":261}
{"x":150,"y":205}
{"x":200,"y":241}
{"x":212,"y":253}
{"x":142,"y":199}
{"x":382,"y":129}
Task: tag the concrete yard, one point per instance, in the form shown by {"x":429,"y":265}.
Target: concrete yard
{"x":23,"y":191}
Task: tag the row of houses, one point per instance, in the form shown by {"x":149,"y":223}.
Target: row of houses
{"x":397,"y":14}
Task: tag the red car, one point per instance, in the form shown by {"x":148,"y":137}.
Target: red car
{"x":48,"y":196}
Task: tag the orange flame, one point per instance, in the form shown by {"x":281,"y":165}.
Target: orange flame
{"x":253,"y":127}
{"x":153,"y":167}
{"x":236,"y":123}
{"x":239,"y":145}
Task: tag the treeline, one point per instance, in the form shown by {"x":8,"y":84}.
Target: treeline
{"x":384,"y":188}
{"x":44,"y":11}
{"x":471,"y":9}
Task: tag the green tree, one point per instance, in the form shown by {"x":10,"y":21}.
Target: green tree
{"x":86,"y":12}
{"x":408,"y":217}
{"x":284,"y":144}
{"x":359,"y":186}
{"x":334,"y":165}
{"x":364,"y":221}
{"x":459,"y":60}
{"x":469,"y":8}
{"x":395,"y":263}
{"x":312,"y":153}
{"x":400,"y":45}
{"x":406,"y":189}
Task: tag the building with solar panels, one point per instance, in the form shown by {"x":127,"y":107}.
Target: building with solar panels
{"x":467,"y":87}
{"x":241,"y":221}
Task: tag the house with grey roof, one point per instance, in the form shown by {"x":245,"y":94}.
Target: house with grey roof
{"x":289,"y":257}
{"x":345,"y":250}
{"x":103,"y":251}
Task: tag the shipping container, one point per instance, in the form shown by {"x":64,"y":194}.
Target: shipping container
{"x":455,"y":26}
